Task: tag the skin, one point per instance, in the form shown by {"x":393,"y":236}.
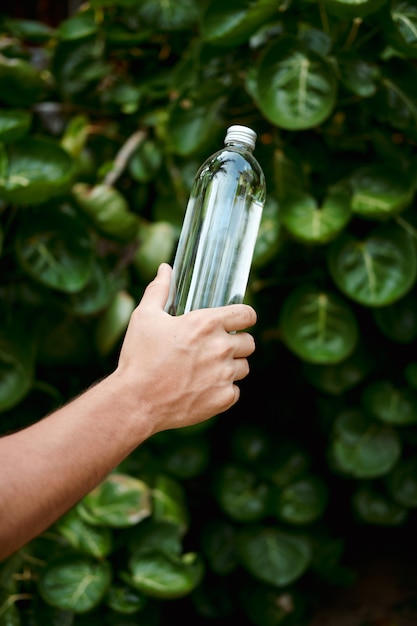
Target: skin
{"x":172,"y":372}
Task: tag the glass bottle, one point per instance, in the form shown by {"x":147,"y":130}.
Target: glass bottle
{"x":215,"y":249}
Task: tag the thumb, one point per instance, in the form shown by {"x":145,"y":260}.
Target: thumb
{"x":157,"y":291}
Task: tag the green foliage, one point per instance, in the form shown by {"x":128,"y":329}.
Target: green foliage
{"x":104,"y":120}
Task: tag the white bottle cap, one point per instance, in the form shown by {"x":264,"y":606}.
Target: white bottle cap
{"x":242,"y":134}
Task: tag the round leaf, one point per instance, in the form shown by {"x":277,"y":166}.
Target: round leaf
{"x":169,"y":502}
{"x":295,"y":87}
{"x":75,"y":584}
{"x":338,"y":378}
{"x":318,"y":326}
{"x":310,"y":223}
{"x":218,"y":544}
{"x":303,"y":501}
{"x":114,"y":321}
{"x":17,"y":365}
{"x":55,"y":249}
{"x":145,"y":161}
{"x":157,"y":242}
{"x":168,"y":16}
{"x":377,"y":508}
{"x":125,"y":600}
{"x":269,"y":238}
{"x":376,"y":270}
{"x":164,"y":576}
{"x":14,"y":124}
{"x":362,"y":448}
{"x":38,"y":169}
{"x":84,"y":537}
{"x":402,"y":483}
{"x":186,"y":458}
{"x":240,"y":495}
{"x":389,"y":403}
{"x":379,"y":191}
{"x":353,"y":8}
{"x":119,"y":501}
{"x":21,"y":83}
{"x":230,"y":24}
{"x":401,"y":29}
{"x":272,"y":556}
{"x":108,"y":209}
{"x":398,"y":321}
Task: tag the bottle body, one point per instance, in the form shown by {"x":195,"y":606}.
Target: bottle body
{"x":215,"y":249}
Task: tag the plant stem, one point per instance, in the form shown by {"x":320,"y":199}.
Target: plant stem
{"x":123,"y":156}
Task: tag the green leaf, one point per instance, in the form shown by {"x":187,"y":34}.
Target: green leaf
{"x":21,"y":83}
{"x":395,"y":101}
{"x":362,"y":448}
{"x":218,"y":543}
{"x":273,"y":556}
{"x":303,"y":501}
{"x":84,"y":537}
{"x":232,"y":23}
{"x":360,"y":76}
{"x":287,"y":172}
{"x":250,"y":443}
{"x":97,"y":295}
{"x":401,"y":29}
{"x":76,"y":134}
{"x":119,"y":501}
{"x":157,"y":241}
{"x":169,"y":502}
{"x":54,"y":248}
{"x":287,"y":462}
{"x":38,"y":169}
{"x":377,"y":508}
{"x":30,"y":30}
{"x":114,"y":321}
{"x":380,"y":191}
{"x":192,"y":118}
{"x":17,"y":365}
{"x":161,"y":536}
{"x":125,"y":600}
{"x":145,"y":161}
{"x":295,"y":87}
{"x":318,"y":326}
{"x":170,"y":15}
{"x":165,"y":576}
{"x":75,"y":583}
{"x":401,"y":483}
{"x":108,"y":209}
{"x":269,"y":238}
{"x":310,"y":223}
{"x":398,"y":321}
{"x":350,"y":9}
{"x":389,"y":403}
{"x":186,"y":458}
{"x":241,"y":495}
{"x":78,"y":26}
{"x":267,"y":606}
{"x":338,"y":378}
{"x":14,"y":124}
{"x":376,"y":270}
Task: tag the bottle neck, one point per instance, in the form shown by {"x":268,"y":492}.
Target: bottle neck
{"x":239,"y":144}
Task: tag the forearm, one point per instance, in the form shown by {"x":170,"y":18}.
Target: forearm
{"x":49,"y":467}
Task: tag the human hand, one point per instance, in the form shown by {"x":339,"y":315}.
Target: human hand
{"x":184,"y":369}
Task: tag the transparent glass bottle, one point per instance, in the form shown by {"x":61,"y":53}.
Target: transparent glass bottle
{"x":215,"y":249}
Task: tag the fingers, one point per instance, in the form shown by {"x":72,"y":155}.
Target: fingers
{"x":244,"y":345}
{"x":156,"y":293}
{"x":237,"y":316}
